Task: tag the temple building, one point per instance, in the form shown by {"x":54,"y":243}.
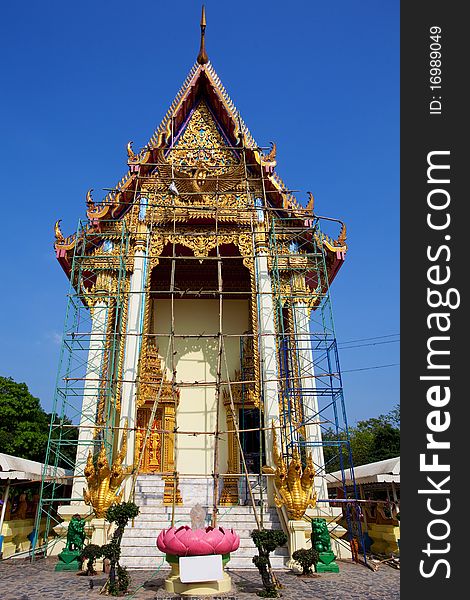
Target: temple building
{"x":199,"y":356}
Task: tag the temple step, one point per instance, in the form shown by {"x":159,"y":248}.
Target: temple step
{"x":139,"y":550}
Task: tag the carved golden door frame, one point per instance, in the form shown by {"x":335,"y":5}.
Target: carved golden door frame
{"x":243,"y":395}
{"x":153,"y":453}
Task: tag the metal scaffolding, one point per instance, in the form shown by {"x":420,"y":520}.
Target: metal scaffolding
{"x":89,"y":374}
{"x":308,"y":377}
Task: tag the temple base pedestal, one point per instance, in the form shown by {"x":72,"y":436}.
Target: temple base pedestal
{"x":69,"y":560}
{"x":174,"y":584}
{"x":297,"y":531}
{"x":102,"y":533}
{"x":326,"y":563}
{"x":203,"y":588}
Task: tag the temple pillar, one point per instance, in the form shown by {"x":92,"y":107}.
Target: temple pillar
{"x":132,"y":347}
{"x":267,"y":348}
{"x":307,"y":384}
{"x":91,"y":393}
{"x":269,"y":373}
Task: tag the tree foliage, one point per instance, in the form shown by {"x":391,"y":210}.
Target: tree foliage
{"x":371,"y":440}
{"x":24,"y":426}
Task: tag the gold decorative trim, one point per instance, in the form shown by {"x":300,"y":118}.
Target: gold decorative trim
{"x":122,"y":346}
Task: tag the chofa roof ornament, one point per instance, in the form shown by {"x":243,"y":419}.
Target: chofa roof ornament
{"x":202,"y":57}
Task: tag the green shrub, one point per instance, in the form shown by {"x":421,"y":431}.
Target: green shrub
{"x":267,"y":540}
{"x":119,"y":579}
{"x":91,"y":553}
{"x":306,"y":559}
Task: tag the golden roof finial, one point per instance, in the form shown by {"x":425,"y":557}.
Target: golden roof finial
{"x":59,"y":238}
{"x":202,"y":57}
{"x":311,"y":201}
{"x":342,"y":236}
{"x":130,"y":152}
{"x":89,"y":200}
{"x":272,"y":153}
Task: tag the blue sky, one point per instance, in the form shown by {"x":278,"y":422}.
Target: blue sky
{"x":79,"y":80}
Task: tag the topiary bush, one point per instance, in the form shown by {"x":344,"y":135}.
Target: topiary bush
{"x":123,"y":579}
{"x":267,"y":540}
{"x":306,"y":559}
{"x":91,"y":553}
{"x":119,"y":579}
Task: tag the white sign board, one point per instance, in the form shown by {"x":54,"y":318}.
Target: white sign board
{"x":200,"y":568}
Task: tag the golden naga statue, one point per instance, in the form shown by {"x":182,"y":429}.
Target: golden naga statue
{"x":103,"y":481}
{"x":294,"y":487}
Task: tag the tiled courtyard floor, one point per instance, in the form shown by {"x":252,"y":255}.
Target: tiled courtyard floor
{"x":22,"y":580}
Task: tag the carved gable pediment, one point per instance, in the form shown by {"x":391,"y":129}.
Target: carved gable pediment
{"x":201,"y":172}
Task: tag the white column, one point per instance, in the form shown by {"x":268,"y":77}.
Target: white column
{"x":267,"y":349}
{"x":91,"y":391}
{"x":309,"y":398}
{"x":132,"y":349}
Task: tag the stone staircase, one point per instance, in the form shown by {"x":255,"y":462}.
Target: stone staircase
{"x":139,"y":549}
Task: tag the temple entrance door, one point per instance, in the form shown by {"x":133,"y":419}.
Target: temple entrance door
{"x":152,"y":456}
{"x":250,"y":440}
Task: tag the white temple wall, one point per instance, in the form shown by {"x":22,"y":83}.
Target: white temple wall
{"x":196,"y":360}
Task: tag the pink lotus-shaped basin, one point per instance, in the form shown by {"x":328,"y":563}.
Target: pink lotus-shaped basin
{"x":200,"y":542}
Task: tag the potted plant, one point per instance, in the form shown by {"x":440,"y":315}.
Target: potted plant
{"x":197,"y":540}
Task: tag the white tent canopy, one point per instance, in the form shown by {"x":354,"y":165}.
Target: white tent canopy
{"x":383,"y":471}
{"x":22,"y":469}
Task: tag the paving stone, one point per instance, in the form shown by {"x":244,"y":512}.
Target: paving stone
{"x":23,"y":580}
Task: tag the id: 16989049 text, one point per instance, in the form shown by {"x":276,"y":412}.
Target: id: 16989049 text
{"x":435,"y":72}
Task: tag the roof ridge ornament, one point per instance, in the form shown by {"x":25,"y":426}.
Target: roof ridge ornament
{"x":59,"y":237}
{"x":342,"y":235}
{"x":202,"y":57}
{"x":89,"y":200}
{"x":311,"y":202}
{"x":130,"y":152}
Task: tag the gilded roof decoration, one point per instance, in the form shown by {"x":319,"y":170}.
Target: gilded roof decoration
{"x":202,"y":143}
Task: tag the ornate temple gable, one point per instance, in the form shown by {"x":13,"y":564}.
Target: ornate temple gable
{"x":207,"y":138}
{"x":201,"y":144}
{"x":201,"y":87}
{"x":206,"y":173}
